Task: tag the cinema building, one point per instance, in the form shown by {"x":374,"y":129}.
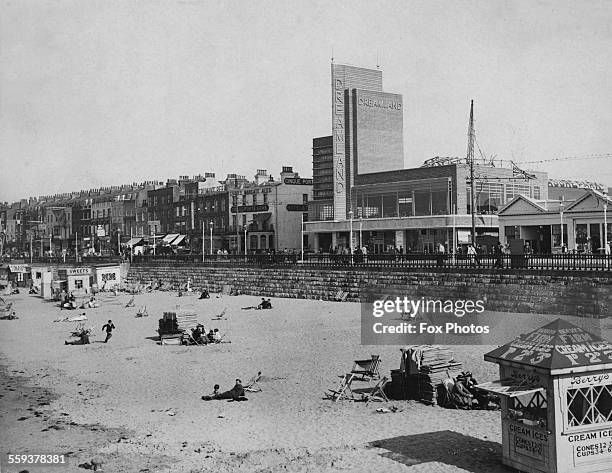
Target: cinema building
{"x":360,"y":184}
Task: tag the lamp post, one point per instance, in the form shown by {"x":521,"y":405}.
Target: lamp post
{"x":360,"y":229}
{"x":211,"y":238}
{"x":203,"y":241}
{"x":561,"y":217}
{"x":351,"y":233}
{"x":245,"y":243}
{"x":302,"y":238}
{"x":605,"y":228}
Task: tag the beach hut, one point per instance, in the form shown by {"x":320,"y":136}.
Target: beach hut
{"x":555,"y":388}
{"x":108,"y":277}
{"x":41,"y":279}
{"x":19,"y":275}
{"x":76,"y":280}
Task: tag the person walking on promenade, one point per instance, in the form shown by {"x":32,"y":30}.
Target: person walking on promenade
{"x":498,"y":249}
{"x":109,"y":327}
{"x":473,"y":255}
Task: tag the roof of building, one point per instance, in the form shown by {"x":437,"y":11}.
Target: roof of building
{"x":557,"y":347}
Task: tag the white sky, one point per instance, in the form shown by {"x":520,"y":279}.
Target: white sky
{"x":96,"y":93}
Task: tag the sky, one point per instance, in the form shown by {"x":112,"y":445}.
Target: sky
{"x":100,"y":93}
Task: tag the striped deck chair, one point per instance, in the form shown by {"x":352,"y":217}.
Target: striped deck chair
{"x":343,"y":391}
{"x":142,"y":312}
{"x":130,"y":303}
{"x":253,"y":384}
{"x":376,"y":392}
{"x":367,"y":369}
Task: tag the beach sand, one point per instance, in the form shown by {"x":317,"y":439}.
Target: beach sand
{"x":135,"y":406}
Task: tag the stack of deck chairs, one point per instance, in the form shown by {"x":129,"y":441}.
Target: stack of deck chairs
{"x":186,"y":320}
{"x":168,"y":324}
{"x":422,"y":370}
{"x":177,"y":322}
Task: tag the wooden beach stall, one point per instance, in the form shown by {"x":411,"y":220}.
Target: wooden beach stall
{"x":556,"y":397}
{"x":76,"y":280}
{"x":18,"y":275}
{"x":41,"y":279}
{"x":108,"y":277}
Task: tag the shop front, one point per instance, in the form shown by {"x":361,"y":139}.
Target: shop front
{"x":76,"y":280}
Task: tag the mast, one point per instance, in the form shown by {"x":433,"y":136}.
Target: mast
{"x":470,"y":160}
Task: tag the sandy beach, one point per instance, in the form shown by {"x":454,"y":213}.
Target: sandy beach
{"x":135,"y":406}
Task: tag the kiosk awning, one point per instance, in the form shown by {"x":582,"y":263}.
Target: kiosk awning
{"x":135,"y":241}
{"x":508,"y":388}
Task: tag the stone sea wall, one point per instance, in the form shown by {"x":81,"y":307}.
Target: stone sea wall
{"x":584,"y":295}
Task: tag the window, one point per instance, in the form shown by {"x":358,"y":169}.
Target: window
{"x":78,"y":284}
{"x":530,"y":407}
{"x":389,"y":205}
{"x":556,"y":235}
{"x":589,"y":405}
{"x":422,"y":203}
{"x":405,"y":204}
{"x":304,"y":198}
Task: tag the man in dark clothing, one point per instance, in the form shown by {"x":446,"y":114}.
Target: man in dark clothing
{"x":236,"y":393}
{"x":109,"y":326}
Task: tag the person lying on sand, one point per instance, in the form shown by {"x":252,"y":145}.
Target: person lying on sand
{"x":235,"y":394}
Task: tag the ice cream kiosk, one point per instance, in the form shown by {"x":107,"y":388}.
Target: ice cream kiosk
{"x":555,"y":388}
{"x":78,"y":280}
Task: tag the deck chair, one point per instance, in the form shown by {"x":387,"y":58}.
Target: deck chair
{"x":377,"y":392}
{"x":367,"y":369}
{"x":341,"y":296}
{"x":220,"y":316}
{"x":142,"y":312}
{"x":130,"y":303}
{"x":224,"y":339}
{"x":343,"y":391}
{"x":253,"y":384}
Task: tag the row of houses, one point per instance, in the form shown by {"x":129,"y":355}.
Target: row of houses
{"x":235,"y":213}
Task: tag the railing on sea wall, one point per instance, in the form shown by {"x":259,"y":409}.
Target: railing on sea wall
{"x":552,"y":262}
{"x":545,"y":262}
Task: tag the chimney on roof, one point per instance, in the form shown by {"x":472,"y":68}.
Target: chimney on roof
{"x":261,"y":176}
{"x":288,"y":172}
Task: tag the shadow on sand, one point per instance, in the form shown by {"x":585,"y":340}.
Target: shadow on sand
{"x":465,"y":452}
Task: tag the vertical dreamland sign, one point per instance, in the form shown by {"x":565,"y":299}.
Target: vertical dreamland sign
{"x":338,"y":141}
{"x":556,"y":391}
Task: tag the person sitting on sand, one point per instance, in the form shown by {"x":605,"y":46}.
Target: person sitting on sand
{"x":204,"y":295}
{"x":196,"y":334}
{"x":217,"y":336}
{"x":83,"y":339}
{"x":235,"y":394}
{"x":211,"y":336}
{"x":93,"y":303}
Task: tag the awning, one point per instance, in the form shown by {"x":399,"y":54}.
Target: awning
{"x":177,"y":241}
{"x":169,"y":237}
{"x":135,"y":241}
{"x":508,"y":388}
{"x":261,"y":217}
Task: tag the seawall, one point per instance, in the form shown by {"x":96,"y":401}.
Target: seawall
{"x":583,"y":295}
